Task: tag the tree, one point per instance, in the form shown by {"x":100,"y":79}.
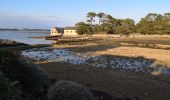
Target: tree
{"x":91,"y":16}
{"x":105,"y":18}
{"x":145,"y":27}
{"x":100,"y":16}
{"x":83,"y":28}
{"x":152,"y":16}
{"x":154,"y":24}
{"x":109,"y":18}
{"x":166,"y":16}
{"x":121,"y":30}
{"x":108,"y":28}
{"x":98,"y":29}
{"x":129,"y":24}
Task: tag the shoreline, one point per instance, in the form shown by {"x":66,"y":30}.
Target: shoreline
{"x":10,"y":43}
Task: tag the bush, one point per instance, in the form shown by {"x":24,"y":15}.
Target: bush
{"x":32,"y":78}
{"x":121,"y":30}
{"x":83,"y":28}
{"x":98,"y":29}
{"x":67,"y":90}
{"x":8,"y":89}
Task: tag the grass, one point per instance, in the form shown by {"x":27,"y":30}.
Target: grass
{"x":116,"y":83}
{"x":151,"y":48}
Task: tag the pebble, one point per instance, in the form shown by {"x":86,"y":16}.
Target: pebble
{"x":137,"y":64}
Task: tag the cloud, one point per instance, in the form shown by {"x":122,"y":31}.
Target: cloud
{"x":25,"y":21}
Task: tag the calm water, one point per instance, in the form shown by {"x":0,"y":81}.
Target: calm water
{"x":22,"y":36}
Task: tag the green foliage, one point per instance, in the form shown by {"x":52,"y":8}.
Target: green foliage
{"x":100,"y":15}
{"x":108,"y":28}
{"x":154,"y":24}
{"x":107,"y":24}
{"x":8,"y":89}
{"x":129,"y":25}
{"x":91,"y":16}
{"x":67,"y":90}
{"x":121,"y":30}
{"x":32,"y":78}
{"x":83,"y":28}
{"x":98,"y":29}
{"x":145,"y":27}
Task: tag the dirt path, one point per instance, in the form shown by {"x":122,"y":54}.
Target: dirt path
{"x":118,"y":84}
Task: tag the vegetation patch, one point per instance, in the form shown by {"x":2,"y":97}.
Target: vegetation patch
{"x":31,"y":78}
{"x":152,"y":23}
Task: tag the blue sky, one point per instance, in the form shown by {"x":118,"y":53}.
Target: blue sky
{"x":48,"y":13}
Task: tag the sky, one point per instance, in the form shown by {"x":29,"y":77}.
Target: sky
{"x":61,"y":13}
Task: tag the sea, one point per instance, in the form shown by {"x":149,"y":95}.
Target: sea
{"x":24,"y":36}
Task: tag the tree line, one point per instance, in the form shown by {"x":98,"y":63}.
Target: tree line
{"x":151,"y":24}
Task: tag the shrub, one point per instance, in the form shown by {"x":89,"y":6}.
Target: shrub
{"x":67,"y":90}
{"x":32,"y":78}
{"x":8,"y":89}
{"x":121,"y":30}
{"x":83,"y":28}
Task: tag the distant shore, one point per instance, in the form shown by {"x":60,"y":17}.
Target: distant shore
{"x":24,"y":29}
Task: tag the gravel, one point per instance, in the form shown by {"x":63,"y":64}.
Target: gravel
{"x":137,"y":64}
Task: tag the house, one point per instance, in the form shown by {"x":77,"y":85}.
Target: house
{"x":70,"y":31}
{"x":56,"y":31}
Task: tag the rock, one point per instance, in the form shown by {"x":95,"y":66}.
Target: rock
{"x":10,"y":43}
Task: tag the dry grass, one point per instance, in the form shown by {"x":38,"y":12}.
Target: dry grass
{"x":161,"y":56}
{"x":148,"y":47}
{"x":114,"y":82}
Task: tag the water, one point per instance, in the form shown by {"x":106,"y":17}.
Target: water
{"x":22,"y":36}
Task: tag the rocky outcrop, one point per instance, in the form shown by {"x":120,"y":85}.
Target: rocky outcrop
{"x":10,"y":43}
